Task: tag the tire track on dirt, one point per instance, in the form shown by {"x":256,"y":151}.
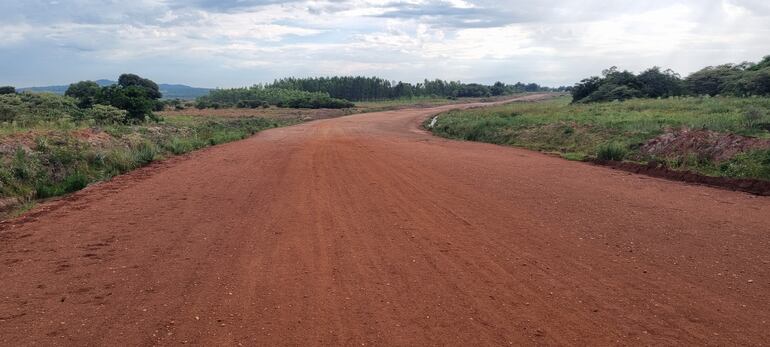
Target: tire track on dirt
{"x":366,"y":230}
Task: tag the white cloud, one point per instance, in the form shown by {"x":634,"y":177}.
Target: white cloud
{"x":550,"y":41}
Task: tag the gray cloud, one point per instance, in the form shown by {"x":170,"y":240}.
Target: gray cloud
{"x":240,"y":42}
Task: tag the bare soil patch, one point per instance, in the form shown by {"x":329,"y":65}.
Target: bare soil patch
{"x":707,"y":144}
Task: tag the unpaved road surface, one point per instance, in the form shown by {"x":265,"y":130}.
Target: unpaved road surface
{"x":364,"y":230}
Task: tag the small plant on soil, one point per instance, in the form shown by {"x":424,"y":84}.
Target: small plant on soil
{"x":611,"y":151}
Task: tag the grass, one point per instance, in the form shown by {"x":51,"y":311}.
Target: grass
{"x":617,"y":130}
{"x":53,"y":159}
{"x":611,"y":151}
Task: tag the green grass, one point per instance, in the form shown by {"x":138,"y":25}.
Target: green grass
{"x":616,"y":130}
{"x":59,"y":161}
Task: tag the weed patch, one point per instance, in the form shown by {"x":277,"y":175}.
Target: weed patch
{"x":69,"y":158}
{"x":735,"y":132}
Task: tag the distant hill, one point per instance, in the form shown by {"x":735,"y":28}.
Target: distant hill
{"x":181,"y":91}
{"x":169,"y":91}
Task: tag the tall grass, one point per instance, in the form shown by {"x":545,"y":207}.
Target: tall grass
{"x":615,"y":130}
{"x":60,"y":162}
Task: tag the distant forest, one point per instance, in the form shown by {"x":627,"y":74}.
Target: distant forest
{"x":741,"y":80}
{"x":359,"y":88}
{"x":337,"y":91}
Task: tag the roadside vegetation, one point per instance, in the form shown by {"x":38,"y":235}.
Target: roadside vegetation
{"x":340,"y":91}
{"x":715,"y":122}
{"x":715,"y":136}
{"x":64,"y":156}
{"x":741,"y":80}
{"x":358,"y":88}
{"x":259,"y":96}
{"x":52,"y":145}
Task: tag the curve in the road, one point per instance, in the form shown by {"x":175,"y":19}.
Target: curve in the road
{"x":366,"y":230}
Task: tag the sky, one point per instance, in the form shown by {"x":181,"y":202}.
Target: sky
{"x":232,"y":43}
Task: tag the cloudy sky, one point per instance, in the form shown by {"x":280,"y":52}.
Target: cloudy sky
{"x":229,"y":43}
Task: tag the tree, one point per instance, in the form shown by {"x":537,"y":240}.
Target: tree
{"x":133,"y":99}
{"x":621,"y":78}
{"x":712,"y":80}
{"x":7,"y":90}
{"x":498,"y":88}
{"x":656,"y":83}
{"x":151,"y":88}
{"x":85,"y":91}
{"x":473,"y":90}
{"x":752,"y":82}
{"x":765,"y":63}
{"x":585,"y":88}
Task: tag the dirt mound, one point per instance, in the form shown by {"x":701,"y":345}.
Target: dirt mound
{"x":703,"y":144}
{"x":94,"y":136}
{"x":10,"y":144}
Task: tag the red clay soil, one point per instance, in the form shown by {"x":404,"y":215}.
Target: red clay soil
{"x":707,"y":144}
{"x":365,"y":230}
{"x":753,"y":186}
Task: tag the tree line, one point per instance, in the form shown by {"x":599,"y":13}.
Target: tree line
{"x":132,"y":99}
{"x":261,"y":96}
{"x":360,"y":88}
{"x":741,"y":80}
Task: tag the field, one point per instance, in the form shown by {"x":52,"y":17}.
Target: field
{"x":718,"y":136}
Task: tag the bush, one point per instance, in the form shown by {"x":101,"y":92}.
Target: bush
{"x":118,"y":160}
{"x":753,"y":117}
{"x":145,"y":152}
{"x":10,"y":107}
{"x":746,"y":79}
{"x":251,"y":104}
{"x":611,"y":151}
{"x":178,"y":146}
{"x":7,"y":90}
{"x":31,"y":108}
{"x":85,"y":91}
{"x":258,"y":96}
{"x":105,"y":114}
{"x":753,"y":164}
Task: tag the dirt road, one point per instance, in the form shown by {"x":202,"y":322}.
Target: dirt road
{"x":364,"y":230}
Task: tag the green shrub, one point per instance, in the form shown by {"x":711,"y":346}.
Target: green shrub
{"x":753,"y":117}
{"x":105,"y":114}
{"x":119,"y":160}
{"x":60,"y":162}
{"x":145,"y":152}
{"x":177,"y":145}
{"x":611,"y":151}
{"x":75,"y":181}
{"x":85,"y":91}
{"x":22,"y":166}
{"x":259,"y":96}
{"x":35,"y":108}
{"x":753,"y":164}
{"x":7,"y":90}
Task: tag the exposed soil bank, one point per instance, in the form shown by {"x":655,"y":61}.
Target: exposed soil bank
{"x":757,"y":187}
